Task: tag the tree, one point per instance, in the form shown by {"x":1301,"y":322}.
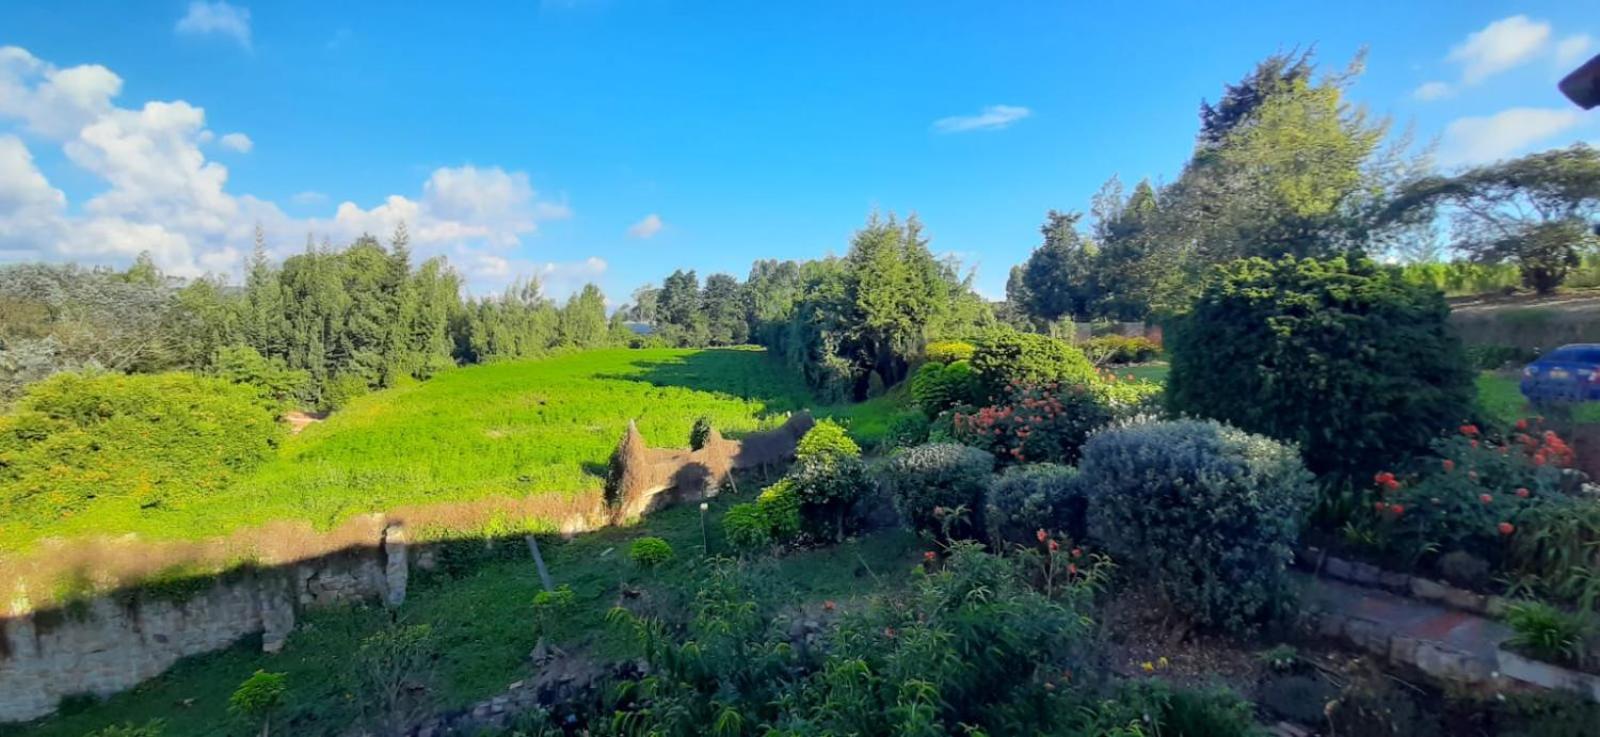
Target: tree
{"x":1536,"y":211}
{"x":583,"y":319}
{"x":259,"y":698}
{"x":722,"y":304}
{"x":678,"y":309}
{"x":394,"y":671}
{"x":1058,"y":279}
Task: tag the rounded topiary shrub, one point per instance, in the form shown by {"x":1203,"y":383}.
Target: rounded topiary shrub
{"x":747,"y":528}
{"x":1341,"y":357}
{"x":649,"y":552}
{"x":1041,"y":496}
{"x":828,"y":477}
{"x":940,"y":486}
{"x":1207,"y":512}
{"x":826,"y":439}
{"x":1006,"y":358}
{"x":948,"y":351}
{"x":937,"y":386}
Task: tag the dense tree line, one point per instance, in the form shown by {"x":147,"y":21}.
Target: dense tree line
{"x":1285,"y":165}
{"x":328,"y":323}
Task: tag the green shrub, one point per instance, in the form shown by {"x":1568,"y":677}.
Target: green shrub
{"x":1026,"y":499}
{"x":76,"y":441}
{"x":649,"y":552}
{"x":826,"y":440}
{"x":1034,"y":423}
{"x":747,"y":528}
{"x":1341,"y":357}
{"x":939,"y":488}
{"x":153,"y":728}
{"x":948,"y":351}
{"x":278,"y":385}
{"x":781,"y":507}
{"x":1547,"y":633}
{"x":552,"y":611}
{"x":1491,"y":357}
{"x":1209,"y":513}
{"x":699,"y":433}
{"x":828,"y":487}
{"x":1120,"y":349}
{"x":259,"y":697}
{"x":343,"y":389}
{"x":906,"y":429}
{"x":1005,"y":358}
{"x":936,"y":386}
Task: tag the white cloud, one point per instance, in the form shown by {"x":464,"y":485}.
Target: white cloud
{"x":485,"y":272}
{"x":205,"y":18}
{"x":1506,"y":133}
{"x":1431,"y":91}
{"x":308,"y":197}
{"x":646,"y":228}
{"x":993,"y":117}
{"x":1501,"y":45}
{"x":161,"y":194}
{"x":1573,"y":49}
{"x":237,"y":142}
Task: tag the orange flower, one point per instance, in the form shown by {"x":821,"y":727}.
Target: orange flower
{"x":1523,"y":492}
{"x":1041,"y":534}
{"x":1485,"y":498}
{"x":828,"y":606}
{"x":1506,"y":528}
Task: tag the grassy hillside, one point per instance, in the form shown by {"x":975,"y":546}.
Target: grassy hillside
{"x":500,"y":430}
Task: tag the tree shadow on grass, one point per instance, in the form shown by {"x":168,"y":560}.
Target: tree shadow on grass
{"x":753,"y":375}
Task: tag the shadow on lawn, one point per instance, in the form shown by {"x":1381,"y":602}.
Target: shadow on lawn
{"x":753,"y":375}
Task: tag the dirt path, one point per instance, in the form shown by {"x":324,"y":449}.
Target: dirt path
{"x":301,"y":420}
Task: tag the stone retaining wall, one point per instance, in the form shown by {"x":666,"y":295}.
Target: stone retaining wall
{"x":113,"y":642}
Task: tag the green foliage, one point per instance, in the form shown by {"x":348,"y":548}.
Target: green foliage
{"x":1534,"y":211}
{"x":937,"y":387}
{"x":259,"y":697}
{"x":828,"y":486}
{"x":97,"y":441}
{"x":826,"y":441}
{"x":1120,"y":349}
{"x":1547,"y":633}
{"x":1034,"y":423}
{"x":948,"y":351}
{"x":649,"y":552}
{"x":931,"y":482}
{"x":907,"y":429}
{"x":747,"y":528}
{"x":699,"y":432}
{"x":152,"y":728}
{"x":277,"y":384}
{"x":1492,"y":357}
{"x":780,"y":505}
{"x":393,"y":672}
{"x":1006,"y":358}
{"x":1341,"y":357}
{"x":1029,"y":498}
{"x":1208,"y":512}
{"x":552,"y":611}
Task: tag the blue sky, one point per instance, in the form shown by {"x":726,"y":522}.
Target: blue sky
{"x":613,"y":141}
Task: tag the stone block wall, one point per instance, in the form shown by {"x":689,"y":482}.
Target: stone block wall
{"x":113,"y":642}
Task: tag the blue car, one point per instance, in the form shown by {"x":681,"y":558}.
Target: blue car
{"x":1570,"y":373}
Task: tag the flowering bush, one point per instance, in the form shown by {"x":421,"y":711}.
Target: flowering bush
{"x":1208,"y":512}
{"x":1470,"y":496}
{"x":1033,"y":423}
{"x":1032,"y":497}
{"x":939,"y":488}
{"x":948,"y":351}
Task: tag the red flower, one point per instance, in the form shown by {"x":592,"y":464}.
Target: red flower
{"x":828,"y":606}
{"x":1379,"y":506}
{"x":1449,"y":465}
{"x":1474,"y":443}
{"x":1469,"y":430}
{"x":1506,"y":528}
{"x":1485,"y":498}
{"x":1072,"y":569}
{"x":1077,"y":552}
{"x":929,"y":556}
{"x":1054,"y":546}
{"x":1539,"y":458}
{"x":1523,"y":492}
{"x":1398,"y":509}
{"x":1522,"y":424}
{"x":1041,"y":534}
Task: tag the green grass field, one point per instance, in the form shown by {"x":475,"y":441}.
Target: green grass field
{"x":515,"y":429}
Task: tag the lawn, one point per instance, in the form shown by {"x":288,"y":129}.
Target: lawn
{"x":482,"y":626}
{"x":514,"y":429}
